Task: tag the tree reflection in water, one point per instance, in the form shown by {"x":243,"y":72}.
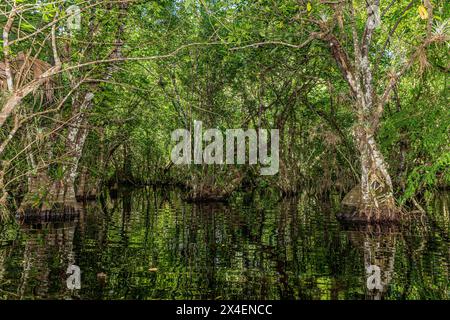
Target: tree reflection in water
{"x":149,"y":244}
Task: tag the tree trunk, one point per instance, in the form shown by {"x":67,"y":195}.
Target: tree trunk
{"x":75,"y":143}
{"x":374,"y":201}
{"x":377,"y":201}
{"x":64,"y":190}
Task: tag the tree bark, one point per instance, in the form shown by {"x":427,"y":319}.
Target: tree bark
{"x":377,"y":201}
{"x":78,"y":132}
{"x":75,"y":142}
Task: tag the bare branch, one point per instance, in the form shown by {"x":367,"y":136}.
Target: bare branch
{"x":259,"y":44}
{"x":372,"y":11}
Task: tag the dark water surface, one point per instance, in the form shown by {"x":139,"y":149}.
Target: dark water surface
{"x":149,"y":244}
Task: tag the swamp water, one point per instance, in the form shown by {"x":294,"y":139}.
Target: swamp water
{"x":150,"y":244}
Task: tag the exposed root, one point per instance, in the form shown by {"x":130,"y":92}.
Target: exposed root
{"x":65,"y":213}
{"x":377,"y":216}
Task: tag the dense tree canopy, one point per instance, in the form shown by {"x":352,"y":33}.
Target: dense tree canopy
{"x":358,"y":90}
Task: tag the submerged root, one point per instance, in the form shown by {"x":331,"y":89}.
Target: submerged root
{"x":378,"y":208}
{"x":373,"y":215}
{"x":49,"y":203}
{"x":383,"y":214}
{"x":207,"y":194}
{"x":58,"y":212}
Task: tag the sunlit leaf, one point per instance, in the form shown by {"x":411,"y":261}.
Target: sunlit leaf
{"x":423,"y":12}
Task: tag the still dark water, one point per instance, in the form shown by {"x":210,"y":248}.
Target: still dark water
{"x":149,"y":244}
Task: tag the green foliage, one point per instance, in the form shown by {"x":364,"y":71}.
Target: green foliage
{"x":235,"y":64}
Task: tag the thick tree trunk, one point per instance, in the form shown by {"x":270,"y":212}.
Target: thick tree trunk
{"x":374,"y":201}
{"x":46,"y":195}
{"x":377,"y":201}
{"x":75,"y":143}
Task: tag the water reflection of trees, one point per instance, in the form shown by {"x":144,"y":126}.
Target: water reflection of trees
{"x":36,"y":262}
{"x":213,"y":250}
{"x":378,"y":244}
{"x":151,"y":244}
